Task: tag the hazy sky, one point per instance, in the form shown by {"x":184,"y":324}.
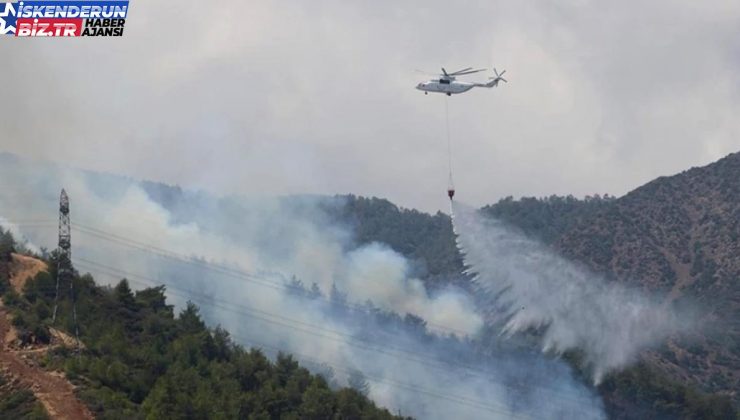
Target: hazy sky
{"x":263,"y":97}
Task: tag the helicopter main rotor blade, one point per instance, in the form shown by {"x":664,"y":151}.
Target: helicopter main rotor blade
{"x":467,"y":71}
{"x":460,"y":71}
{"x":444,"y":71}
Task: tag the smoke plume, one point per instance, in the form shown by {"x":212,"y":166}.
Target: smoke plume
{"x":282,"y":274}
{"x":529,"y":287}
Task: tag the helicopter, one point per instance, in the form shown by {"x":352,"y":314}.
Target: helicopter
{"x":447,"y":83}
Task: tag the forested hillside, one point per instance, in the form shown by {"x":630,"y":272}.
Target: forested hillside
{"x":426,"y":240}
{"x":676,"y":237}
{"x":546,"y":218}
{"x":17,"y":402}
{"x":141,"y":360}
{"x":679,"y":237}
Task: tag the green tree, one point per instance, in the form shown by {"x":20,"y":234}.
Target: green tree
{"x":317,"y":402}
{"x":358,"y":382}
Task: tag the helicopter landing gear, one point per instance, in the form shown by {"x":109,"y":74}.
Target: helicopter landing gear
{"x":449,"y":94}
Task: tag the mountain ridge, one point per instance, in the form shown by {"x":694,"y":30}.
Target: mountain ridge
{"x":677,"y":237}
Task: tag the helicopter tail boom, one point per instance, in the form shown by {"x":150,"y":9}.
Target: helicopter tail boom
{"x":494,"y":80}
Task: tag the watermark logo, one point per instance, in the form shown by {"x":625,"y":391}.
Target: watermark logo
{"x":63,"y":18}
{"x":7,"y":18}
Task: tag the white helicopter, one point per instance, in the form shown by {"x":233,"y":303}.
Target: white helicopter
{"x":448,"y":85}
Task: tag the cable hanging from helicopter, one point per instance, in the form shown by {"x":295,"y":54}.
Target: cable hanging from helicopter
{"x":448,"y":84}
{"x":450,"y":184}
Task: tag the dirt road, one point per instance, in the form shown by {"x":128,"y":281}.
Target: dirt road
{"x":52,"y":389}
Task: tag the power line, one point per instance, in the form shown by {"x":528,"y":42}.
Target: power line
{"x":413,"y":387}
{"x":229,"y":271}
{"x":182,"y":258}
{"x":291,"y":322}
{"x":223,"y":269}
{"x":285,"y":321}
{"x":453,"y":398}
{"x":414,"y":356}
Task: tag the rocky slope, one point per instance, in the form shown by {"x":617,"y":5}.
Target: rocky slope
{"x":678,"y":237}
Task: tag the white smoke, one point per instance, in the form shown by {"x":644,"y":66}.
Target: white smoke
{"x":531,"y":287}
{"x":406,"y":370}
{"x":21,"y":240}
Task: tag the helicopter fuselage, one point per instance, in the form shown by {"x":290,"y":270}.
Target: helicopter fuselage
{"x":446,"y":86}
{"x":450,"y":86}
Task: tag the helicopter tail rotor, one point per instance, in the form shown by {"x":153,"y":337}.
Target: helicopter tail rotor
{"x":494,"y":80}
